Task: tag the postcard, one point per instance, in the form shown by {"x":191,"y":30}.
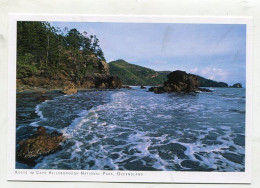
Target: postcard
{"x":130,"y":98}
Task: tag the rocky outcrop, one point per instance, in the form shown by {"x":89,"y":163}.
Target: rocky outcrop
{"x":101,"y":81}
{"x":93,"y":73}
{"x":103,"y":67}
{"x":106,"y":81}
{"x":237,"y":85}
{"x":204,"y":90}
{"x":39,"y":144}
{"x":69,"y":89}
{"x":126,"y":87}
{"x":178,"y":81}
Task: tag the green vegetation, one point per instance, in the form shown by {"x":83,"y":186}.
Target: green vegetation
{"x":46,"y":51}
{"x":131,"y":74}
{"x":210,"y":83}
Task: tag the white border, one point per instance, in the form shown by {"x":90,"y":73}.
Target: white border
{"x":147,"y":176}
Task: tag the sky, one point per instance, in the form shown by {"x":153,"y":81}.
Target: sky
{"x":214,"y":51}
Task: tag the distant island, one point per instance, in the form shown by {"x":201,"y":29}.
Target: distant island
{"x":131,"y":74}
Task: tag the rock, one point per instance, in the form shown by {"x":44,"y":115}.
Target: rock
{"x":237,"y":85}
{"x":126,"y":87}
{"x":142,"y":87}
{"x":107,"y":81}
{"x":114,"y":82}
{"x":43,"y":98}
{"x":69,"y":89}
{"x":151,"y":89}
{"x":39,"y":144}
{"x":104,"y":67}
{"x":158,"y":90}
{"x":204,"y":90}
{"x":178,"y":81}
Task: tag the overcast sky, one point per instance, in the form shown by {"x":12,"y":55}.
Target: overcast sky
{"x":214,"y":51}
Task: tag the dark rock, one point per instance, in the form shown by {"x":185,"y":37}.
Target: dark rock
{"x":39,"y":144}
{"x":43,"y":98}
{"x":204,"y":90}
{"x":151,"y":89}
{"x":178,"y":81}
{"x":126,"y":87}
{"x":237,"y":85}
{"x":158,"y":90}
{"x":107,"y":82}
{"x":142,"y":87}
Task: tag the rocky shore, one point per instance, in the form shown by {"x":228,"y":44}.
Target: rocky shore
{"x":97,"y":81}
{"x":41,"y":143}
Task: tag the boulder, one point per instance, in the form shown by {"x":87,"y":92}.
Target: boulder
{"x":178,"y":81}
{"x":107,"y":81}
{"x":151,"y":89}
{"x":43,"y":98}
{"x":39,"y":144}
{"x":204,"y":90}
{"x":142,"y":87}
{"x":69,"y":89}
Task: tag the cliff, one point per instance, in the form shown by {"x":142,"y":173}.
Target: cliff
{"x":51,"y":59}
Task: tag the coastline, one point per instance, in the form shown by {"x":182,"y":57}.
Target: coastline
{"x":41,"y":90}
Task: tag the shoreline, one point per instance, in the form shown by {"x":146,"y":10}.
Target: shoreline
{"x":41,"y":90}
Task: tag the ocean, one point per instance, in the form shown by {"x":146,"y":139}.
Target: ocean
{"x":132,"y":129}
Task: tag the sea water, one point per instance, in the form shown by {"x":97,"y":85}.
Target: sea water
{"x":139,"y":130}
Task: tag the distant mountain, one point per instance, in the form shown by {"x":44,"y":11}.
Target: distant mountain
{"x":210,"y":83}
{"x":131,"y":74}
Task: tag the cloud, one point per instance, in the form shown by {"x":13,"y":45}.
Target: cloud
{"x":211,"y":73}
{"x":111,"y":60}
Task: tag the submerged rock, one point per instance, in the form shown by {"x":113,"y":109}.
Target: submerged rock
{"x":39,"y":144}
{"x":43,"y":98}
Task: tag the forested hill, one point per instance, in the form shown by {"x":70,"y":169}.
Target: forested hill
{"x":131,"y":74}
{"x":48,"y":56}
